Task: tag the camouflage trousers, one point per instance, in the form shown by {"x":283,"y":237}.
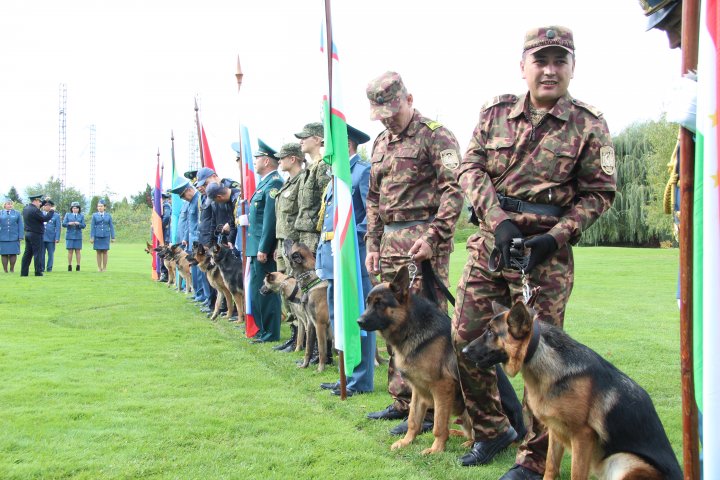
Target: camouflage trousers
{"x":311,"y":239}
{"x":283,"y":265}
{"x":477,"y":290}
{"x":394,"y":248}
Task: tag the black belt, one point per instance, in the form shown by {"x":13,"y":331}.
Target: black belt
{"x":510,"y":204}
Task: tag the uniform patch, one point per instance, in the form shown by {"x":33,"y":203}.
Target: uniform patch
{"x":273,"y":192}
{"x":286,"y":194}
{"x":607,"y":159}
{"x":450,"y":159}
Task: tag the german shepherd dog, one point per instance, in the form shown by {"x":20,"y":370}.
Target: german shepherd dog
{"x":204,"y":260}
{"x":314,"y":299}
{"x":419,"y":334}
{"x":182,"y":265}
{"x":232,"y":274}
{"x":288,"y":288}
{"x":148,"y":247}
{"x":586,"y":403}
{"x":165,"y":254}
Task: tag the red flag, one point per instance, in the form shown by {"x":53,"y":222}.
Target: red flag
{"x":207,"y":158}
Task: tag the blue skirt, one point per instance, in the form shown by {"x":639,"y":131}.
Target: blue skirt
{"x":10,"y":248}
{"x":101,"y":243}
{"x":73,"y":244}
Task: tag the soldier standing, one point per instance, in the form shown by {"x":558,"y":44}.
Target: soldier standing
{"x":540,"y":166}
{"x":413,"y":203}
{"x":34,"y":220}
{"x":313,"y":181}
{"x":51,"y":237}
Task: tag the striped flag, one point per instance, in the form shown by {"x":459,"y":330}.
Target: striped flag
{"x":346,"y":261}
{"x":249,"y":183}
{"x":156,"y":220}
{"x":706,"y":216}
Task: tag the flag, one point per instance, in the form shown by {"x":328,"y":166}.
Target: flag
{"x":346,"y":260}
{"x":706,"y":235}
{"x":156,"y":221}
{"x":176,"y":201}
{"x":206,"y":157}
{"x":249,"y":183}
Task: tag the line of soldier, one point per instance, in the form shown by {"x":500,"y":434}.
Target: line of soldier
{"x":40,"y":226}
{"x":540,"y":166}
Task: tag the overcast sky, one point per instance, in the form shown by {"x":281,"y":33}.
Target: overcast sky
{"x":133,"y":69}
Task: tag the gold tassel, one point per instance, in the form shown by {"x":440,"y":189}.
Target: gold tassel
{"x":319,"y":225}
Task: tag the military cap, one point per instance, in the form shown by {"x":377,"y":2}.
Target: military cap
{"x":35,"y":197}
{"x":180,"y":187}
{"x":236,"y":147}
{"x":191,"y":175}
{"x":290,"y":149}
{"x":49,"y":201}
{"x":7,"y":200}
{"x":264,"y":150}
{"x":101,"y":201}
{"x":385,"y":93}
{"x":314,"y":129}
{"x":75,"y":204}
{"x":202,"y":175}
{"x":165,"y":195}
{"x":214,"y":189}
{"x":553,"y":36}
{"x":657,"y":10}
{"x":356,"y":135}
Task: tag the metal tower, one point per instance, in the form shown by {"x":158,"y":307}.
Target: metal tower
{"x":194,"y":149}
{"x":62,"y":138}
{"x":92,"y":161}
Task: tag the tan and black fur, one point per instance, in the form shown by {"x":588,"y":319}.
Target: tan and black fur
{"x":419,"y":334}
{"x":288,"y":288}
{"x":182,"y":264}
{"x":231,"y":270}
{"x":166,"y":256}
{"x":587,"y":404}
{"x":314,"y":301}
{"x":204,"y":260}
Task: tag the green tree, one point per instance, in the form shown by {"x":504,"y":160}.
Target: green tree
{"x":143,"y":198}
{"x":62,"y":198}
{"x":14,"y":195}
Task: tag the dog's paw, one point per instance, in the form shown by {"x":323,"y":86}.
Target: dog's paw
{"x":468,"y":444}
{"x":431,"y":450}
{"x":321,"y":368}
{"x":402,"y":443}
{"x":303,"y":364}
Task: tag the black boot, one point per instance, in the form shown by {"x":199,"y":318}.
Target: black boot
{"x":77,"y":268}
{"x":69,"y":268}
{"x":290,"y":342}
{"x":316,"y":354}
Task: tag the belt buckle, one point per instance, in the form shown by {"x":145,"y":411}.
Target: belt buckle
{"x":514,"y":204}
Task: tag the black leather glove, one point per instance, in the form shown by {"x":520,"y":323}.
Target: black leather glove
{"x":541,"y":247}
{"x":504,"y":233}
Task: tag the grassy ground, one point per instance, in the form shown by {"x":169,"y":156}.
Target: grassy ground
{"x":109,"y":375}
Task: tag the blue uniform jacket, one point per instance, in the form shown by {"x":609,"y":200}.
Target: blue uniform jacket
{"x":166,"y":218}
{"x":74,"y":232}
{"x":360,"y":173}
{"x":261,"y":216}
{"x":52,"y":229}
{"x":206,"y":229}
{"x":11,"y":226}
{"x":193,"y":220}
{"x":182,"y":225}
{"x":101,"y":226}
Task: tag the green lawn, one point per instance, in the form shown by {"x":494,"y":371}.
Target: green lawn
{"x":110,"y":375}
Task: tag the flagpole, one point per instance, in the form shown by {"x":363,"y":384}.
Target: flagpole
{"x":243,"y":228}
{"x":197,"y":124}
{"x":689,"y":42}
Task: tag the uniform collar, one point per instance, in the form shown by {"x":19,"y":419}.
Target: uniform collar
{"x":411,"y":129}
{"x":561,"y":109}
{"x":354,"y":159}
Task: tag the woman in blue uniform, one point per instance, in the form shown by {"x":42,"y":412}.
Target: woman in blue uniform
{"x":51,"y":237}
{"x":74,"y":222}
{"x":102,"y":232}
{"x":11,"y":234}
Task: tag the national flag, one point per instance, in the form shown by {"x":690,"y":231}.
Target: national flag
{"x":249,"y":183}
{"x":706,"y":252}
{"x":206,"y":157}
{"x":156,"y":220}
{"x":349,"y":304}
{"x":176,"y":201}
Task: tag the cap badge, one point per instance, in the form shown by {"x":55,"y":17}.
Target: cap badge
{"x":550,"y":34}
{"x":379,"y":99}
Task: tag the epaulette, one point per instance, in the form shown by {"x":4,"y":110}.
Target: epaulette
{"x":594,"y":111}
{"x":507,"y":98}
{"x":230,"y":183}
{"x":432,"y":124}
{"x":363,"y":162}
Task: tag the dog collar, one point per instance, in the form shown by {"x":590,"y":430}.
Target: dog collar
{"x":534,"y":341}
{"x":310,"y":285}
{"x":292,"y":298}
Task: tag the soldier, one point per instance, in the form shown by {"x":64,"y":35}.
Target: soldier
{"x":34,"y":220}
{"x":540,"y":166}
{"x":665,"y":15}
{"x":51,"y":237}
{"x":11,"y":231}
{"x":225,"y":200}
{"x":261,"y":243}
{"x":189,"y":234}
{"x":291,"y":161}
{"x":166,"y":220}
{"x":312,"y":185}
{"x":413,"y":203}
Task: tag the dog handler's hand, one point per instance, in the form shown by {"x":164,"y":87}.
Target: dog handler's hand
{"x":420,"y":251}
{"x":372,"y":261}
{"x":504,"y":233}
{"x":226,"y":228}
{"x":262,"y":257}
{"x":541,"y":247}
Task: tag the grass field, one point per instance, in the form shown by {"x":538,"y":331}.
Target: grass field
{"x":110,"y":375}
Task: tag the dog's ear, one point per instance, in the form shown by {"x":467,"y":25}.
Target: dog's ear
{"x":270,"y":276}
{"x":519,"y":321}
{"x":287,"y":246}
{"x":191,"y":261}
{"x":498,"y":308}
{"x":296,"y":257}
{"x":400,"y":284}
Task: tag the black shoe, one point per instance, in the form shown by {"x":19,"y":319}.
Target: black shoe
{"x":330,"y":386}
{"x":205,"y":310}
{"x":483,"y":452}
{"x":518,"y":472}
{"x":77,"y":268}
{"x":285,"y":345}
{"x":349,"y":392}
{"x":315,"y":359}
{"x":38,"y":274}
{"x":388,"y":414}
{"x":163,"y":278}
{"x":69,"y":268}
{"x":288,"y":349}
{"x":402,"y":428}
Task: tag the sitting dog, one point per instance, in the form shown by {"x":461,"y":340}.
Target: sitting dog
{"x":419,"y":334}
{"x":586,"y":403}
{"x":232,"y":274}
{"x":204,"y":260}
{"x":289,"y":289}
{"x":182,"y":265}
{"x":165,"y":254}
{"x":314,"y":300}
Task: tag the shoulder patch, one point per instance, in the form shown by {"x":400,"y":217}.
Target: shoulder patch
{"x":450,"y":158}
{"x":507,"y":98}
{"x":607,"y":159}
{"x":273,"y":192}
{"x":594,"y":111}
{"x":432,"y":124}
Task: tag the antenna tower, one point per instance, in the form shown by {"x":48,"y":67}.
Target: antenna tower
{"x":62,"y":138}
{"x":92,"y":160}
{"x":194,"y":149}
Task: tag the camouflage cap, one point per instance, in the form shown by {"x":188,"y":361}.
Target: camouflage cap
{"x":290,"y":149}
{"x":657,"y":10}
{"x":553,"y":36}
{"x":385,"y":93}
{"x":314,"y":129}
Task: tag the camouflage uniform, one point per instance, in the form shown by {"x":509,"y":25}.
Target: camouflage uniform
{"x":413,"y":194}
{"x":313,"y":181}
{"x":565,"y":160}
{"x":286,"y":211}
